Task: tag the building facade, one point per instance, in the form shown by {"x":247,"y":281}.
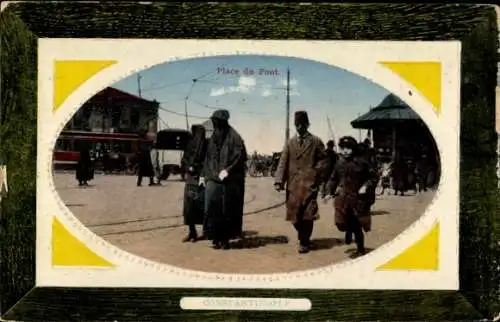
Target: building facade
{"x":115,"y":111}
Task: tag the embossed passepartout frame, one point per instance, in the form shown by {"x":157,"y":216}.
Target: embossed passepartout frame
{"x":478,"y":295}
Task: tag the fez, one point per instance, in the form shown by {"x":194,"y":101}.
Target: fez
{"x":221,"y":115}
{"x":301,"y":117}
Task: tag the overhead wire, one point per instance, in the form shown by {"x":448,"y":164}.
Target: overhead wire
{"x":153,"y":88}
{"x":216,"y":108}
{"x":182,"y":114}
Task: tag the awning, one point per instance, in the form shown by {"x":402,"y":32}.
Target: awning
{"x":390,"y":111}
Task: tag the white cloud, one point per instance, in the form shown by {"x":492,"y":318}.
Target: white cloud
{"x":217,"y":91}
{"x":293,"y":82}
{"x":245,"y":85}
{"x":266,"y":92}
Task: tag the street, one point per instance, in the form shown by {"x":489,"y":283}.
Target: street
{"x":147,"y":221}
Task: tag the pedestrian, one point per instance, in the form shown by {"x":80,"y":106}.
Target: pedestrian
{"x":224,"y":180}
{"x":412,"y":177}
{"x":350,"y":183}
{"x":156,"y":164}
{"x":146,"y":168}
{"x":300,"y":172}
{"x":84,"y":168}
{"x":370,"y":155}
{"x":385,"y":174}
{"x":422,"y":172}
{"x":330,"y":161}
{"x":194,"y":193}
{"x":399,"y":175}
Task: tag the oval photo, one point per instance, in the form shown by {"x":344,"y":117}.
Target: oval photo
{"x":246,"y":164}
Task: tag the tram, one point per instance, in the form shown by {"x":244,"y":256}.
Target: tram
{"x":110,"y":151}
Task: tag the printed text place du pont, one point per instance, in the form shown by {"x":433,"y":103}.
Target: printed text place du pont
{"x":247,"y":71}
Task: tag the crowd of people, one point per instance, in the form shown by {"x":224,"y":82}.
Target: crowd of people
{"x":214,"y":190}
{"x":215,"y":170}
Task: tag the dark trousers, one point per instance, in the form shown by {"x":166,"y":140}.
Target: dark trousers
{"x":192,"y":230}
{"x":139,"y":180}
{"x":304,"y":230}
{"x":354,"y":227}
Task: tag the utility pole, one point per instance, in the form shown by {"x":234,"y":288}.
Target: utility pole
{"x":186,"y":112}
{"x":359,"y":135}
{"x":287,"y":131}
{"x":139,"y":85}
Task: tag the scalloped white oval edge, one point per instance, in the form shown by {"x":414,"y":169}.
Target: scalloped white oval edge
{"x":359,"y":57}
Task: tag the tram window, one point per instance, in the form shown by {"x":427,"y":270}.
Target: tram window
{"x":60,"y":144}
{"x":78,"y":144}
{"x":127,"y":147}
{"x":64,"y":144}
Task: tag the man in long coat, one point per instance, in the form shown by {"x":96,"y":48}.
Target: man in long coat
{"x":146,"y":168}
{"x":224,"y":176}
{"x":300,"y":172}
{"x":351,"y":182}
{"x":84,"y":170}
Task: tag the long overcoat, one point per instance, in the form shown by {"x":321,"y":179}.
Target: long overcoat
{"x":346,"y":180}
{"x":85,"y":169}
{"x":194,"y":194}
{"x":301,"y":169}
{"x":224,"y":200}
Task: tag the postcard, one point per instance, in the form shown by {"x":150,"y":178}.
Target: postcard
{"x":248,"y":164}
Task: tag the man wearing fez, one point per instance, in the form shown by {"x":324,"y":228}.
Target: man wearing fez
{"x":350,"y":184}
{"x":300,"y":172}
{"x":224,"y":177}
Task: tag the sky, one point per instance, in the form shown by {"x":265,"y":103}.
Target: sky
{"x":257,"y":101}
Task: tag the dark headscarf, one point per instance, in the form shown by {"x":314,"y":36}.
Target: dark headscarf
{"x":196,"y":145}
{"x":220,"y":122}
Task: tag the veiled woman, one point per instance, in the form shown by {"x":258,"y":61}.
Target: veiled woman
{"x":194,"y":201}
{"x":224,"y":176}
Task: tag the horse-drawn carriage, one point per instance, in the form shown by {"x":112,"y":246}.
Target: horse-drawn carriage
{"x":263,"y":165}
{"x":259,"y":166}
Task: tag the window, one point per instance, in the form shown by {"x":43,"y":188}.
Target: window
{"x":134,"y":118}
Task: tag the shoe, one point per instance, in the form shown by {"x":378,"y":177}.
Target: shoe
{"x":348,"y":238}
{"x":303,"y":249}
{"x":216,"y":244}
{"x":225,"y":245}
{"x":360,"y":252}
{"x":189,"y":238}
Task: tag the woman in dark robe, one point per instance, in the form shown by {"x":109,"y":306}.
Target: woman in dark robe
{"x":194,"y":194}
{"x":224,"y":175}
{"x":84,"y":170}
